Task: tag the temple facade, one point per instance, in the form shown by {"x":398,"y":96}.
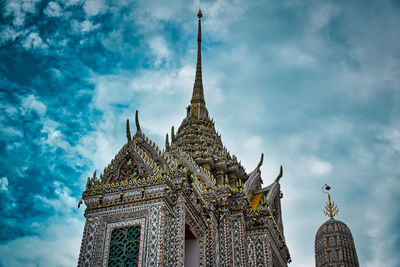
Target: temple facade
{"x":189,"y":204}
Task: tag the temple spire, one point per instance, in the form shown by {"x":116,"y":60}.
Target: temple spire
{"x":198,"y":91}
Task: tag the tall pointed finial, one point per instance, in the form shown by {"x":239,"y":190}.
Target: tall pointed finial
{"x":137,"y":122}
{"x":198,"y":91}
{"x":331,"y":209}
{"x":128,"y":131}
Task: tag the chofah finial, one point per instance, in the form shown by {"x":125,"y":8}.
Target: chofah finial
{"x":261,"y":160}
{"x":280,"y":174}
{"x":128,"y":131}
{"x":137,"y":122}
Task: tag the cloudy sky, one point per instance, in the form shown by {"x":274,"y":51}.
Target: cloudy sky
{"x":314,"y":85}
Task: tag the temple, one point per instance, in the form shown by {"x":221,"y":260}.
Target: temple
{"x":191,"y":204}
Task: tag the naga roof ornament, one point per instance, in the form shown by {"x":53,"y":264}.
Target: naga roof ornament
{"x":138,"y":131}
{"x":128,"y":131}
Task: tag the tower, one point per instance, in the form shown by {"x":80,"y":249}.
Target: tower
{"x":334,"y":244}
{"x":192,"y":204}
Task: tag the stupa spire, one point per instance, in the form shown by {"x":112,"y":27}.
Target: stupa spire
{"x":198,"y":91}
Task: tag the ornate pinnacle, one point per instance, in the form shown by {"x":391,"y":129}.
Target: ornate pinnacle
{"x":331,"y":209}
{"x":198,"y":91}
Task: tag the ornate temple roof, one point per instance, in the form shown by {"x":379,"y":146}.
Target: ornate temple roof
{"x":196,"y":148}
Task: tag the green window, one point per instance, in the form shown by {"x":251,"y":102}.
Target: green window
{"x":124,"y":247}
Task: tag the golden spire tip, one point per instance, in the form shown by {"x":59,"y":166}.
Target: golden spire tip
{"x":331,"y":209}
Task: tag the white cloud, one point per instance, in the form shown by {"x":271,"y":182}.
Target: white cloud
{"x":160,"y":49}
{"x":98,"y":147}
{"x":292,"y":56}
{"x":84,"y":26}
{"x":87,"y":26}
{"x":7,"y":191}
{"x":249,"y":150}
{"x":52,"y":137}
{"x":219,"y":16}
{"x":64,"y":202}
{"x":31,"y":103}
{"x":33,"y":40}
{"x":3,"y":184}
{"x":57,"y":236}
{"x":8,"y":109}
{"x":53,"y":10}
{"x":10,"y":132}
{"x":18,"y":10}
{"x":165,"y":82}
{"x":7,"y":34}
{"x":318,"y":167}
{"x":57,"y":74}
{"x":94,"y":7}
{"x":114,"y":42}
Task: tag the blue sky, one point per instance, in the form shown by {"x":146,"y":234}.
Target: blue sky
{"x":314,"y":85}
